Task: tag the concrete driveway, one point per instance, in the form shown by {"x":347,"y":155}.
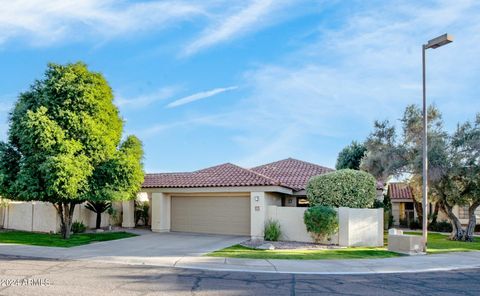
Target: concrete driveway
{"x":158,"y":248}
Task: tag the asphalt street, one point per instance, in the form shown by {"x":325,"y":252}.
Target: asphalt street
{"x":29,"y":276}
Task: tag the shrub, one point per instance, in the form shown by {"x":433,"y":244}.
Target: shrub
{"x":403,"y":222}
{"x":378,"y":204}
{"x":272,"y":230}
{"x":443,"y":226}
{"x":321,"y":222}
{"x":387,"y":203}
{"x":343,"y":188}
{"x":141,"y":212}
{"x":415,"y":225}
{"x":78,"y":227}
{"x":477,"y":228}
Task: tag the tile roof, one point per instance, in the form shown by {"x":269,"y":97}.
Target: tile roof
{"x":289,"y":173}
{"x":224,"y":175}
{"x":400,"y":191}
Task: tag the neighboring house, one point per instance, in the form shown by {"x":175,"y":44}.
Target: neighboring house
{"x":226,"y":199}
{"x":403,"y":209}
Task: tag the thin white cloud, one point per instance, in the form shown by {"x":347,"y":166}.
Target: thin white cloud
{"x":249,"y":18}
{"x":208,"y":120}
{"x":43,"y":22}
{"x":372,"y":72}
{"x":145,"y":100}
{"x":200,"y":96}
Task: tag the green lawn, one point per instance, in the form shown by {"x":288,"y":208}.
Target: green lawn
{"x":55,"y":240}
{"x":238,"y":251}
{"x":438,"y":243}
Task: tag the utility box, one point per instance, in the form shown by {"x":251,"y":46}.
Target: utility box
{"x":405,"y":244}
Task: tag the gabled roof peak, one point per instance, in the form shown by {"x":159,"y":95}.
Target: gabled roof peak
{"x":291,"y":173}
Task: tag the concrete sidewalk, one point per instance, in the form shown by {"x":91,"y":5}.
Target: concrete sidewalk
{"x":103,"y":252}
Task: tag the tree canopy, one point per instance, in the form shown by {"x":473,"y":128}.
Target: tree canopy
{"x":64,"y":144}
{"x":350,"y":156}
{"x":453,"y":162}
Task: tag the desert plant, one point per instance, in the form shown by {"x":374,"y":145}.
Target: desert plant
{"x":343,"y":188}
{"x":98,"y":207}
{"x":78,"y":227}
{"x":141,"y":212}
{"x":272,"y":231}
{"x":114,"y":217}
{"x":321,"y":222}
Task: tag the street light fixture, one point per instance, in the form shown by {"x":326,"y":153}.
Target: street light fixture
{"x":434,"y":43}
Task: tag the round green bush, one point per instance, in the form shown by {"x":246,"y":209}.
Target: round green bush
{"x":321,"y":222}
{"x":342,"y":188}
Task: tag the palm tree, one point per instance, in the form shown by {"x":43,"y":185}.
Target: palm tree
{"x":98,"y":207}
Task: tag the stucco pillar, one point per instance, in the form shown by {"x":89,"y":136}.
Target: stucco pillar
{"x":258,"y":213}
{"x":380,"y":228}
{"x":343,"y":227}
{"x":161,"y":204}
{"x":149,"y":209}
{"x":128,"y":207}
{"x":2,"y":215}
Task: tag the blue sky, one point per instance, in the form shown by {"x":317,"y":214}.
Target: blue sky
{"x":249,"y":82}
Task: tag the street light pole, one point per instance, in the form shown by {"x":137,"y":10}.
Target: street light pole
{"x":424,"y":157}
{"x":434,"y":43}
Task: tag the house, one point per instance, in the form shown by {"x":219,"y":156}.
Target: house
{"x":403,"y":208}
{"x":225,"y":199}
{"x":404,"y":211}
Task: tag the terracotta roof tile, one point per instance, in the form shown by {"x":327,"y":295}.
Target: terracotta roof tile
{"x":291,"y":172}
{"x":400,"y":191}
{"x":224,"y":175}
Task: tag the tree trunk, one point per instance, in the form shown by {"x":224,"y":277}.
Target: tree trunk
{"x":65,"y":210}
{"x":419,"y":210}
{"x":99,"y":220}
{"x":472,"y":221}
{"x":457,"y":231}
{"x":435,"y":213}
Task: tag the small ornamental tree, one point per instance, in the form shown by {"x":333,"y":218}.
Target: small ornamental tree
{"x":343,"y":188}
{"x":64,"y":144}
{"x":321,"y":222}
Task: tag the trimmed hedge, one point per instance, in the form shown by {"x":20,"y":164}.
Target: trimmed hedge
{"x":342,"y":188}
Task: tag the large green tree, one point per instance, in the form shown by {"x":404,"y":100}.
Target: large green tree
{"x":350,"y":156}
{"x":64,"y":144}
{"x":465,"y":155}
{"x":384,"y":155}
{"x":453,"y":162}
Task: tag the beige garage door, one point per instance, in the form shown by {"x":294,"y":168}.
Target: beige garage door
{"x":211,"y":214}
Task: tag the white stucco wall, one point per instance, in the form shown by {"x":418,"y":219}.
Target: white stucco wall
{"x":259,"y":203}
{"x":360,"y":227}
{"x":292,"y":226}
{"x":357,"y":227}
{"x":161,"y":210}
{"x":19,"y":216}
{"x":43,"y":217}
{"x":2,"y":216}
